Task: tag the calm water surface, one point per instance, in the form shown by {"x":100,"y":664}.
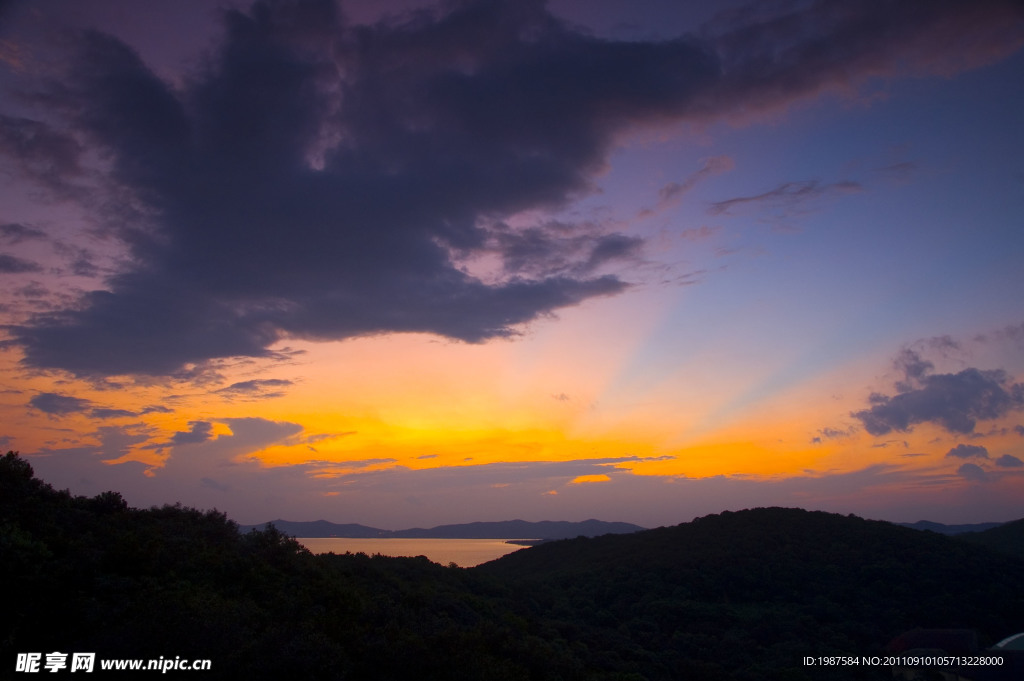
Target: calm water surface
{"x":462,"y":552}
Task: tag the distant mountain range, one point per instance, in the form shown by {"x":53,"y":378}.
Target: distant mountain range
{"x":949,"y":529}
{"x":521,"y":529}
{"x":508,"y":529}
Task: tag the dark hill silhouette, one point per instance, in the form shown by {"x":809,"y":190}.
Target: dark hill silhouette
{"x":1006,"y":538}
{"x":737,"y":596}
{"x":942,"y":528}
{"x":765,"y":584}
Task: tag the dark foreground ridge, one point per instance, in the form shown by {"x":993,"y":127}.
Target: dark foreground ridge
{"x":508,"y":529}
{"x":744,"y":595}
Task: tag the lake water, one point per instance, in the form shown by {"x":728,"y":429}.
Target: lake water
{"x":462,"y":552}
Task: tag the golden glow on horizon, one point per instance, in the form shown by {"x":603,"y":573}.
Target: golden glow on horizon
{"x":414,"y":402}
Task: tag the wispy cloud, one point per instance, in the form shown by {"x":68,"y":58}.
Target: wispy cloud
{"x":266,"y":388}
{"x":786,"y":201}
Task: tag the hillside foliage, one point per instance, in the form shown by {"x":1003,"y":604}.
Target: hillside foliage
{"x":742,"y":595}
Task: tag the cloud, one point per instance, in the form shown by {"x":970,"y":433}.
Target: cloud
{"x":56,"y":404}
{"x":10,"y":264}
{"x":106,"y":413}
{"x":1009,"y":461}
{"x":701,"y":233}
{"x":973,"y":473}
{"x":258,"y":388}
{"x":321,"y":180}
{"x":954,"y":401}
{"x":559,"y":249}
{"x":199,"y":431}
{"x":788,"y":199}
{"x":968,"y":452}
{"x":13,"y":233}
{"x":836,"y":433}
{"x":43,"y":154}
{"x":213,"y":484}
{"x":671,"y":193}
{"x":583,"y":479}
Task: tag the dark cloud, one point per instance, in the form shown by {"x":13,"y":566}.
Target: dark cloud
{"x":968,"y":452}
{"x":973,"y":472}
{"x":913,"y":367}
{"x":1012,"y":333}
{"x":199,"y":431}
{"x":559,"y":249}
{"x":954,"y":401}
{"x":1019,"y":429}
{"x":104,"y":413}
{"x":320,"y":180}
{"x":43,"y":154}
{"x":256,"y":388}
{"x":59,"y":405}
{"x":10,"y":264}
{"x":156,"y":409}
{"x":1009,"y":461}
{"x":14,"y":233}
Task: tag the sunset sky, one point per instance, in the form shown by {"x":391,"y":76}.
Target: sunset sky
{"x":407,"y":263}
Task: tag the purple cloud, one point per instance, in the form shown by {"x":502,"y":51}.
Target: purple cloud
{"x":323,"y":180}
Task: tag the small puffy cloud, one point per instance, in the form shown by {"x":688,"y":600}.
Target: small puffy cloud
{"x":56,"y":404}
{"x":156,"y":409}
{"x":967,"y":452}
{"x":1009,"y":461}
{"x":973,"y":473}
{"x":1019,"y":429}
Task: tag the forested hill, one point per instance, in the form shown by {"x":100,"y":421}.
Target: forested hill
{"x":736,"y":596}
{"x":765,"y":585}
{"x":1006,"y":538}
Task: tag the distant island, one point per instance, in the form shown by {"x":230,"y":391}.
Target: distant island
{"x":507,"y":529}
